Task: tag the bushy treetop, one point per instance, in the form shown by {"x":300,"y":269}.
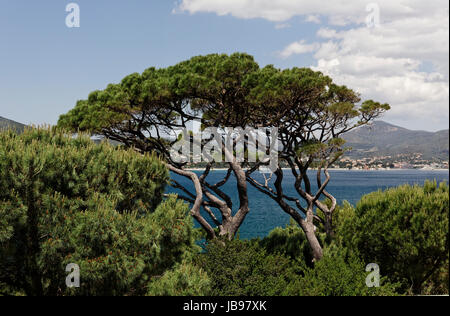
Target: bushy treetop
{"x":67,"y":200}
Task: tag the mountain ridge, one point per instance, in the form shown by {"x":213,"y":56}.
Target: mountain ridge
{"x":7,"y":123}
{"x":381,"y":139}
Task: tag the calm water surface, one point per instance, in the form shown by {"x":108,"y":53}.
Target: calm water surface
{"x":348,"y":185}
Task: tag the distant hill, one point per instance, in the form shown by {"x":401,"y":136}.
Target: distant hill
{"x":381,"y":138}
{"x":5,"y":124}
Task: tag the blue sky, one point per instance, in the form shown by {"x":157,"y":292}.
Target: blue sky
{"x":45,"y":67}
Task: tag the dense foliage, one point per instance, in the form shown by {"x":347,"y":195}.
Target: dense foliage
{"x":247,"y":268}
{"x":186,"y":279}
{"x":339,"y":273}
{"x":243,"y":268}
{"x":67,"y":200}
{"x":405,"y":231}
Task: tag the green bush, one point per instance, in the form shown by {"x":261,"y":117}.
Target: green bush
{"x":67,"y":200}
{"x":186,"y":279}
{"x":243,"y":268}
{"x":405,"y":231}
{"x":338,"y":273}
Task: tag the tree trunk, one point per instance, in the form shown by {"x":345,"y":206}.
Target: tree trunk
{"x":310,"y":233}
{"x":329,"y":225}
{"x":195,"y":210}
{"x":225,"y":229}
{"x":230,"y":225}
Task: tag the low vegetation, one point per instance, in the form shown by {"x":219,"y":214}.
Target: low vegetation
{"x":405,"y":231}
{"x":67,"y":200}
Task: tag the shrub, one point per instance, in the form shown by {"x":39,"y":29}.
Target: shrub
{"x":185,"y":279}
{"x":338,"y":273}
{"x":405,"y":231}
{"x":243,"y":268}
{"x":67,"y":200}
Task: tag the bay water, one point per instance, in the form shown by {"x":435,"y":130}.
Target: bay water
{"x":345,"y":185}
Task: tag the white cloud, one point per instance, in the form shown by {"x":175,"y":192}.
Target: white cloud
{"x":326,"y":33}
{"x":313,"y":18}
{"x":403,"y":61}
{"x":389,"y":64}
{"x":298,"y":48}
{"x":338,"y":11}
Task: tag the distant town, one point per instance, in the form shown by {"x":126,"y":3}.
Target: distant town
{"x":401,"y":161}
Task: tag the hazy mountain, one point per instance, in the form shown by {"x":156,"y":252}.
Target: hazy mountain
{"x":5,"y":124}
{"x":381,"y":138}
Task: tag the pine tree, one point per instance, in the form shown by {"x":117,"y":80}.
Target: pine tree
{"x":68,"y":200}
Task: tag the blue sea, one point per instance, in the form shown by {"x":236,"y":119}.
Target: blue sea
{"x":345,"y":185}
